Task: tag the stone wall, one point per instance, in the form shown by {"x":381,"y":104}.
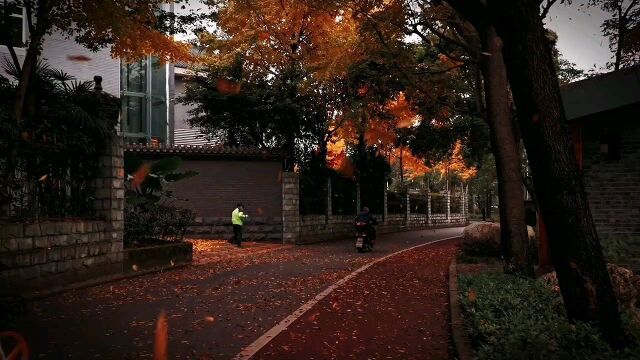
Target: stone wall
{"x":290,"y":208}
{"x":255,"y":229}
{"x":54,"y":253}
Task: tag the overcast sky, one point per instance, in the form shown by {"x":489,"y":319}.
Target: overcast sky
{"x":579,"y":37}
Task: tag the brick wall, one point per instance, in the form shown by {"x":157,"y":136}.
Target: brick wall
{"x":613,"y":186}
{"x":52,"y":253}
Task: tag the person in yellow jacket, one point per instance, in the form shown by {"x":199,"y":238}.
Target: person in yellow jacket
{"x":237,"y":220}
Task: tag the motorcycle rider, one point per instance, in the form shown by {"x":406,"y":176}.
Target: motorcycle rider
{"x":366,"y":217}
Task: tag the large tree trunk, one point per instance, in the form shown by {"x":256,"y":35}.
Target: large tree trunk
{"x":575,"y":249}
{"x":513,"y":229}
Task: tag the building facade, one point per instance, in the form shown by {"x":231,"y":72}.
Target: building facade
{"x":604,"y":116}
{"x":145,"y":86}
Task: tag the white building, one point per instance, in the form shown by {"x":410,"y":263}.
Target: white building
{"x":148,"y":88}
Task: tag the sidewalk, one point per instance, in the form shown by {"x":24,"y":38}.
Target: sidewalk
{"x":207,"y":251}
{"x":397,"y":309}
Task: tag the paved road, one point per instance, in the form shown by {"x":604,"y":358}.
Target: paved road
{"x":213,"y":310}
{"x":396,"y":309}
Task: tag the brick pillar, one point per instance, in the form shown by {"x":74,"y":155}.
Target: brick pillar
{"x":448,"y":197}
{"x":329,"y":210}
{"x":429,"y":220}
{"x":290,"y":208}
{"x":358,"y":200}
{"x":109,"y":191}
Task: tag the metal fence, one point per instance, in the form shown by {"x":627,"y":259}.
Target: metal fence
{"x":418,"y":203}
{"x":438,"y":203}
{"x":313,"y":195}
{"x":343,"y":196}
{"x":396,"y":203}
{"x":372,"y":196}
{"x":455,"y":205}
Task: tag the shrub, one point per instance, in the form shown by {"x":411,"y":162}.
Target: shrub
{"x":155,"y":223}
{"x":620,"y":249}
{"x":481,"y":240}
{"x":481,"y":248}
{"x":150,"y":213}
{"x":52,"y":155}
{"x":508,"y":317}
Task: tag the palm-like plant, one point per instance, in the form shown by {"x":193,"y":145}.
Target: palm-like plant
{"x":55,"y":150}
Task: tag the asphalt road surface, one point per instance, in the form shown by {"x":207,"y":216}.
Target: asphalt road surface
{"x":213,"y":310}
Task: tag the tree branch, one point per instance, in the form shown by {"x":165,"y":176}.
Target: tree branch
{"x":546,"y":8}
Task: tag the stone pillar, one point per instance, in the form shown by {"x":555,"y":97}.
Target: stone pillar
{"x":448,"y":196}
{"x":329,"y":209}
{"x":290,"y":208}
{"x":429,"y":219}
{"x":408,"y":208}
{"x":385,"y":210}
{"x":358,"y":201}
{"x":109,"y":198}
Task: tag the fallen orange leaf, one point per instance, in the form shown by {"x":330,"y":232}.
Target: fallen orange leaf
{"x":162,"y":334}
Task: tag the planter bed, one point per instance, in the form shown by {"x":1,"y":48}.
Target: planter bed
{"x":507,"y":317}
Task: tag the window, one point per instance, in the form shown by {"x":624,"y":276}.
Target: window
{"x":145,"y":101}
{"x":17,"y":25}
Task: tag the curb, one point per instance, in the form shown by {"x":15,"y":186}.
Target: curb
{"x":97,"y":281}
{"x":461,"y":341}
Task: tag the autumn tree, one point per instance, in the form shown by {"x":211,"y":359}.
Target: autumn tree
{"x":575,"y":248}
{"x":477,"y":53}
{"x":292,"y":57}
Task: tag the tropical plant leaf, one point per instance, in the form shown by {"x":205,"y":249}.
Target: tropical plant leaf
{"x":166,"y":166}
{"x":180,"y":176}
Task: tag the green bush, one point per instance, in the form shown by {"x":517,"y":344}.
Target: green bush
{"x":154,"y":223}
{"x":508,"y":317}
{"x":620,"y":249}
{"x":150,"y":213}
{"x":52,"y":155}
{"x":481,"y":248}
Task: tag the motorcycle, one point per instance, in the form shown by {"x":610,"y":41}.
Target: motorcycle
{"x":363,"y":240}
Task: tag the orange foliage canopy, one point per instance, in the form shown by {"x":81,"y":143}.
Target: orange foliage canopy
{"x":270,"y":34}
{"x":456,"y":165}
{"x":382,"y":134}
{"x":412,"y":166}
{"x":127,"y":25}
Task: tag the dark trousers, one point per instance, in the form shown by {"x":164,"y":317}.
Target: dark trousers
{"x":237,"y":234}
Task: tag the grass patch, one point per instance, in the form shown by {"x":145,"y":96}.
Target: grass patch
{"x":508,"y":317}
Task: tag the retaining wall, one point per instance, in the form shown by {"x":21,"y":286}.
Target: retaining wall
{"x":55,"y":253}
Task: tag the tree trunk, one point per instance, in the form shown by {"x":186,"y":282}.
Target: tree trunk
{"x":513,"y":229}
{"x":575,"y":249}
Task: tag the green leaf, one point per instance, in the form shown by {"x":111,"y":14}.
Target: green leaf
{"x":180,"y":176}
{"x":166,"y":166}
